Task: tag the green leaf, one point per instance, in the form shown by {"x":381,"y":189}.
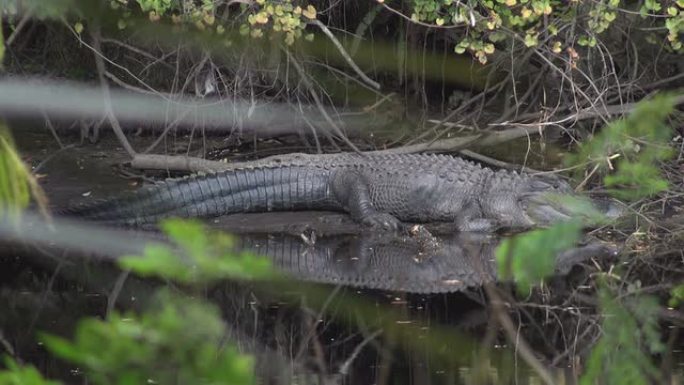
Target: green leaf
{"x":630,"y":336}
{"x":459,"y":49}
{"x":497,"y":36}
{"x":181,"y":341}
{"x":201,"y":256}
{"x":528,"y":258}
{"x":14,"y":374}
{"x":159,"y":260}
{"x":189,"y":234}
{"x":677,"y":297}
{"x":628,"y":150}
{"x":553,"y":30}
{"x":14,"y":178}
{"x":531,"y":40}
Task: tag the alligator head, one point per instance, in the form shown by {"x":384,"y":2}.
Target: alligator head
{"x":546,"y":200}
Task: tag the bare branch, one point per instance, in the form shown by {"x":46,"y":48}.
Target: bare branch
{"x":192,"y":164}
{"x":521,"y":345}
{"x":317,"y":100}
{"x":177,"y":163}
{"x":97,"y":50}
{"x":345,"y":55}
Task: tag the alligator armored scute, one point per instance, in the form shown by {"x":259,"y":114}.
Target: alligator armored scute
{"x":377,"y":190}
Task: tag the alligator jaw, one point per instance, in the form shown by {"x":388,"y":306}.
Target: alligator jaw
{"x":546,"y":209}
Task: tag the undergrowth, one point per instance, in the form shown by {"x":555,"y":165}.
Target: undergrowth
{"x":630,"y":333}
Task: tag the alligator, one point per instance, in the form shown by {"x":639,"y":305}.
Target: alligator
{"x":451,"y":263}
{"x":382,"y":191}
{"x":398,"y":263}
{"x":417,"y":261}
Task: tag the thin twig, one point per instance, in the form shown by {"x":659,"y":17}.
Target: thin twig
{"x":193,"y":164}
{"x":521,"y":345}
{"x":6,"y":345}
{"x":116,"y":290}
{"x":378,"y":103}
{"x":362,"y":27}
{"x":177,"y":163}
{"x":343,"y":74}
{"x":317,"y":100}
{"x":455,"y":144}
{"x":98,"y":53}
{"x":48,"y":123}
{"x":312,"y":329}
{"x":583,"y":114}
{"x":48,"y":290}
{"x":344,"y":368}
{"x":27,"y":16}
{"x":118,"y":131}
{"x":443,"y":123}
{"x":127,"y":86}
{"x":472,"y":21}
{"x":345,"y":55}
{"x":497,"y":163}
{"x":657,"y":84}
{"x":167,"y":129}
{"x":43,"y":162}
{"x":137,"y":50}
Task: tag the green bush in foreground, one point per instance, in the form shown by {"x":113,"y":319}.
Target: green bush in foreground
{"x":14,"y":178}
{"x":628,"y":150}
{"x":636,"y":144}
{"x":16,"y":374}
{"x":178,"y":343}
{"x":630,"y":333}
{"x":201,"y":256}
{"x":180,"y":340}
{"x":630,"y":336}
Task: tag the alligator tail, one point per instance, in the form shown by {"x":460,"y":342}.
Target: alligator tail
{"x":215,"y":194}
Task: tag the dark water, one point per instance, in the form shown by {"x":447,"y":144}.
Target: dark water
{"x":360,"y":308}
{"x":402,"y":320}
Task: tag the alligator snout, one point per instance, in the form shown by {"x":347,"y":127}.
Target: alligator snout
{"x":549,"y":208}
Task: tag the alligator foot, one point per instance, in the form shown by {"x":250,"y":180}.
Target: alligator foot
{"x":308,"y":237}
{"x":298,"y":228}
{"x":478,"y":225}
{"x":381,"y":221}
{"x":428,"y":244}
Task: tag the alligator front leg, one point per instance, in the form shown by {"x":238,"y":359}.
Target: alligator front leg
{"x":471,"y":219}
{"x":351,"y":190}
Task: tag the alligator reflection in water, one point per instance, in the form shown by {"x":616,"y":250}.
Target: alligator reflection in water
{"x":413,"y":264}
{"x":416,"y":262}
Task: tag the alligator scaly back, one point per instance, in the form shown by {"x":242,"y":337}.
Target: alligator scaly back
{"x":295,"y":182}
